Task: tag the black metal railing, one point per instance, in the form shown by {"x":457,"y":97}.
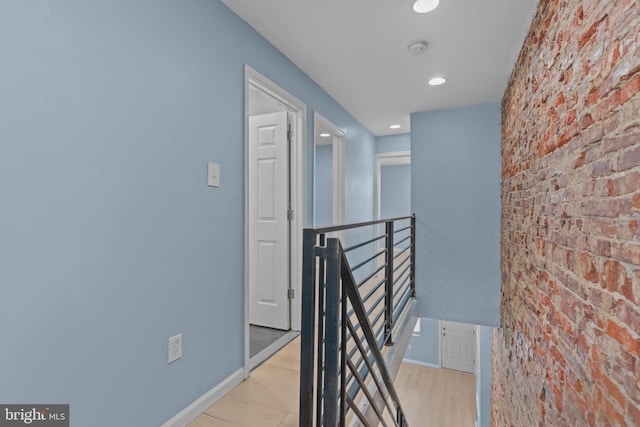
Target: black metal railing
{"x":347,"y":322}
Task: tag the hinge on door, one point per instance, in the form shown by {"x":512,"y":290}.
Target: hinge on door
{"x":291,"y":293}
{"x":290,"y":214}
{"x":289,"y":134}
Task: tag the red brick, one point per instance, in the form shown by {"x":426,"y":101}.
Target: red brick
{"x":613,"y":391}
{"x":633,"y":414}
{"x":630,"y":159}
{"x":587,"y":35}
{"x":569,"y":353}
{"x":624,"y":337}
{"x":611,"y":275}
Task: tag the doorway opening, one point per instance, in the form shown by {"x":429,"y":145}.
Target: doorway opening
{"x":329,"y":164}
{"x":274,"y":216}
{"x":392,"y":189}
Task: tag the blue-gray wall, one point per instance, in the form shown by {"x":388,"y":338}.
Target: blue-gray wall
{"x":425,"y":348}
{"x":110,"y":239}
{"x":395,"y":191}
{"x":455,"y":194}
{"x":483,"y":377}
{"x":393,"y":143}
{"x":323,"y":182}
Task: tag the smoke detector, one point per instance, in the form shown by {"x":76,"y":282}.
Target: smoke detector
{"x":417,"y":48}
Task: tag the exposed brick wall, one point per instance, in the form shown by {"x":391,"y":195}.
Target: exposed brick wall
{"x":568,"y":352}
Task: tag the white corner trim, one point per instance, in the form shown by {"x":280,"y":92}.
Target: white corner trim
{"x":192,"y":411}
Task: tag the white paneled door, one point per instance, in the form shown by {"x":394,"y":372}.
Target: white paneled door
{"x":458,"y":346}
{"x":268,"y":179}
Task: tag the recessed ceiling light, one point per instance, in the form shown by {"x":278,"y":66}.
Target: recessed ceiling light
{"x":395,"y":127}
{"x":424,"y":6}
{"x":325,"y":135}
{"x":437,"y":81}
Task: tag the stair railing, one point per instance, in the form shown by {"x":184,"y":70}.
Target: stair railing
{"x":346,"y":323}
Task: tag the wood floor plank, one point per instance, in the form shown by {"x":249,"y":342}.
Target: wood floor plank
{"x":436,"y":397}
{"x":205,"y":420}
{"x":255,"y":391}
{"x":290,"y":421}
{"x":238,"y":410}
{"x":430,"y":397}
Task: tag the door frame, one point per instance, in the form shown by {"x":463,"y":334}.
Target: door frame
{"x":298,"y":185}
{"x":338,"y":175}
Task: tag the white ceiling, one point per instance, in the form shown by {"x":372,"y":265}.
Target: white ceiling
{"x":356,"y":50}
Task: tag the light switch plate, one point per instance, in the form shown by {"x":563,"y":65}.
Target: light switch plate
{"x":213,"y":174}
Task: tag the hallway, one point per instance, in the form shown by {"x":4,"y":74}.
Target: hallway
{"x":269,"y":397}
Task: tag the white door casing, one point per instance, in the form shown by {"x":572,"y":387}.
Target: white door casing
{"x":253,"y":80}
{"x":268,"y":180}
{"x":458,"y":346}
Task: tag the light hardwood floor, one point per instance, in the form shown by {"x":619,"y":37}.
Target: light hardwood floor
{"x":433,"y":397}
{"x":269,"y":397}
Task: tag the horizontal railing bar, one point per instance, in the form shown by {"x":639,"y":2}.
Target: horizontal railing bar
{"x":373,"y":291}
{"x":400,"y":241}
{"x":367,"y":360}
{"x":378,"y":318}
{"x":371,"y":276}
{"x":364,"y":388}
{"x":371,"y":310}
{"x":356,"y":411}
{"x":399,"y":254}
{"x":402,"y":229}
{"x":359,"y":245}
{"x":384,"y":338}
{"x":405,"y":270}
{"x":400,"y":288}
{"x":359,"y":363}
{"x":368,"y":295}
{"x":370,"y":367}
{"x":398,"y":297}
{"x":333,"y":228}
{"x":403,"y":303}
{"x":374,"y":306}
{"x":353,"y":388}
{"x":401,"y":264}
{"x":367,"y":261}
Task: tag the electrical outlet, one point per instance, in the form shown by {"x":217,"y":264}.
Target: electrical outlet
{"x":175,"y":348}
{"x":213,"y":174}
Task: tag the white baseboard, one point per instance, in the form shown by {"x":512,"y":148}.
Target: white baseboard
{"x":415,"y":362}
{"x":192,"y":411}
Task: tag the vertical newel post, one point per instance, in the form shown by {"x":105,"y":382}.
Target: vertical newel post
{"x":388,"y":284}
{"x":333,"y":323}
{"x":343,"y":345}
{"x":307,"y":334}
{"x":413,"y":255}
{"x":321,"y":285}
